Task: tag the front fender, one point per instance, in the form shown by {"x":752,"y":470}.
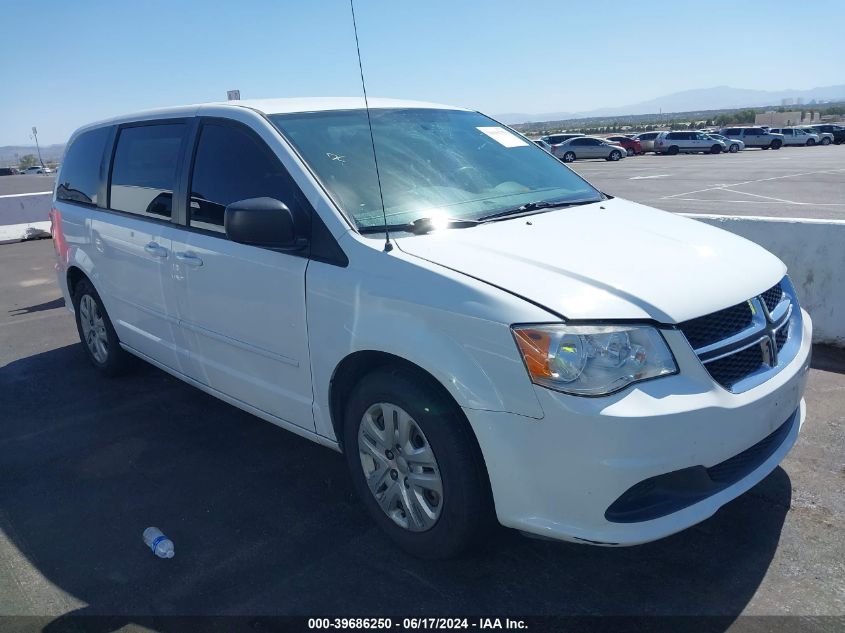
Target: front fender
{"x":401,"y":307}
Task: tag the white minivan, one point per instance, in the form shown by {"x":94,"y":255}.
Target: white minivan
{"x":481,"y":332}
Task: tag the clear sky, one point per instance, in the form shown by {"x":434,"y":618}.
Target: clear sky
{"x":66,"y":63}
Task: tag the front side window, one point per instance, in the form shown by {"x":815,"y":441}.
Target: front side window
{"x":233,"y":164}
{"x":432,"y":163}
{"x":144,"y":169}
{"x":79,"y":177}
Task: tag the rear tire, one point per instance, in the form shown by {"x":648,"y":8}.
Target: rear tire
{"x":451,"y":508}
{"x":615,"y":155}
{"x":96,"y":331}
{"x":569,"y":157}
{"x":673,"y":151}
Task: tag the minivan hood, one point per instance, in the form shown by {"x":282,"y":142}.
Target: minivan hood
{"x":614,"y":259}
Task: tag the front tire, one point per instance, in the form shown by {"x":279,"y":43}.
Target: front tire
{"x":615,"y":155}
{"x":825,"y":141}
{"x":629,"y":152}
{"x":97,"y":332}
{"x":776,"y":144}
{"x":734,"y":148}
{"x":415,"y":464}
{"x":811,"y":142}
{"x":716,"y":149}
{"x":569,"y":157}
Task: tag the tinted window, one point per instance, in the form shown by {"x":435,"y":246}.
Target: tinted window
{"x":649,"y":136}
{"x":732,"y":130}
{"x":144,"y":169}
{"x":233,"y":164}
{"x":579,"y":141}
{"x":755,"y":130}
{"x":592,"y":141}
{"x":79,"y":177}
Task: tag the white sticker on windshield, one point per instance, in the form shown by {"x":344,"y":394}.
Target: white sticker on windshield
{"x":502,"y":136}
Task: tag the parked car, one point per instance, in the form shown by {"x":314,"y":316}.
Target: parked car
{"x":554,"y":140}
{"x":9,"y":171}
{"x":583,"y":147}
{"x":796,"y":136}
{"x":733,"y":145}
{"x":528,"y":357}
{"x":687,"y":142}
{"x":754,"y":137}
{"x":37,"y":169}
{"x":837,"y":131}
{"x":825,"y":138}
{"x":632,"y":146}
{"x":646,"y":140}
{"x":541,"y":143}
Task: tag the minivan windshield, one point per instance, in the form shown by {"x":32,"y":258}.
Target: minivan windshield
{"x":433,"y":163}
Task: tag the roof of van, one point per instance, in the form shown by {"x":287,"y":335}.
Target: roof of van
{"x":313,"y":104}
{"x":271,"y":106}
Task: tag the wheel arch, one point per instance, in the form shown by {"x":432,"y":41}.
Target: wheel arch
{"x":356,"y":365}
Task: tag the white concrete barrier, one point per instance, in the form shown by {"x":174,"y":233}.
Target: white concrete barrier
{"x":814,"y":252}
{"x":24,"y":215}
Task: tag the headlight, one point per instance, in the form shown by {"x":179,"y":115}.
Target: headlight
{"x":593,"y":360}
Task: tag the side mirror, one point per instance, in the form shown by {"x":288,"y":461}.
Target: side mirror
{"x":265,"y":222}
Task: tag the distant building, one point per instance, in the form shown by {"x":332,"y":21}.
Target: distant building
{"x":778,"y":119}
{"x":787,"y":102}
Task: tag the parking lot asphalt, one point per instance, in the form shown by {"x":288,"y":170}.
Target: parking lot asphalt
{"x":265,"y":522}
{"x":796,"y":182}
{"x":30,"y":183}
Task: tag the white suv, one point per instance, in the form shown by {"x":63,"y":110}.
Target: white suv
{"x":479,"y":330}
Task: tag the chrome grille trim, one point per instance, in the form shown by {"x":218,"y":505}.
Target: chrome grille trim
{"x":765,"y":330}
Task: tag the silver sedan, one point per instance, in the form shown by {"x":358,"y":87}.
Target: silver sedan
{"x":588,"y":147}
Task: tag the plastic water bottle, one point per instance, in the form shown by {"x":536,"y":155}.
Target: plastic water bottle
{"x":158,"y":543}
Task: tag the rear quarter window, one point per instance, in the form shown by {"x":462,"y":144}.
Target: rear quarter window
{"x":79,"y":177}
{"x":144,"y":169}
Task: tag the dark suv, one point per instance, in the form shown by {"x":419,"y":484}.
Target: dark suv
{"x":837,"y":130}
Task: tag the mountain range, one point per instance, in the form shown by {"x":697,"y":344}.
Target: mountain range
{"x":715,"y":98}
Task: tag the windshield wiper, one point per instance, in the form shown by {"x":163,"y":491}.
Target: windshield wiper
{"x":421,"y":226}
{"x":538,"y":205}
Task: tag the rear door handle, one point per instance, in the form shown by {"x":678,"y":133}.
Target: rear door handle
{"x":156,"y":250}
{"x":189,"y":259}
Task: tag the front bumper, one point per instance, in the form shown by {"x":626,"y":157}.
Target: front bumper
{"x":557,"y":477}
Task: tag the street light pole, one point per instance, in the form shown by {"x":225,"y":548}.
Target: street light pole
{"x":35,"y":136}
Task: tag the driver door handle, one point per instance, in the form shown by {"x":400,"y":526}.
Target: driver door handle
{"x":189,"y":259}
{"x":156,"y":250}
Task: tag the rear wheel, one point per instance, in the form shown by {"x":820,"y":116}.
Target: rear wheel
{"x":96,"y":331}
{"x":415,"y":464}
{"x":569,"y":157}
{"x":615,"y":155}
{"x":672,"y":151}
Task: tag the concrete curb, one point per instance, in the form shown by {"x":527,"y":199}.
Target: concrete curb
{"x":814,"y":252}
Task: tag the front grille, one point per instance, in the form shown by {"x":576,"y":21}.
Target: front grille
{"x":719,"y":325}
{"x":729,"y":370}
{"x":739,"y":341}
{"x":772,"y":297}
{"x":781,"y":336}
